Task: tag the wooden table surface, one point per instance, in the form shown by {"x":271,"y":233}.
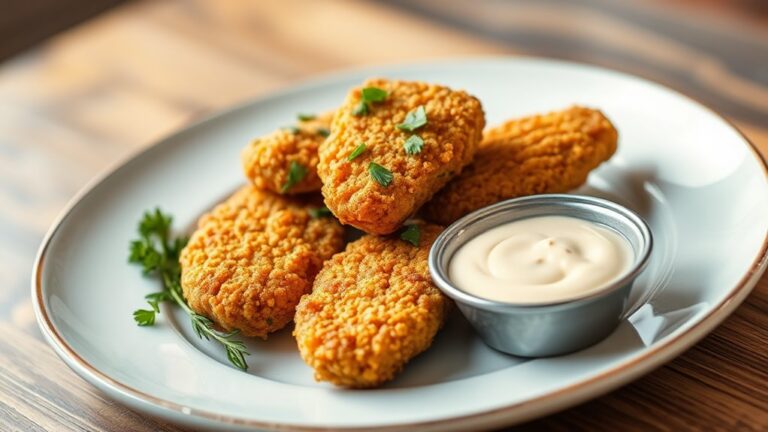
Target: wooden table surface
{"x":95,"y":94}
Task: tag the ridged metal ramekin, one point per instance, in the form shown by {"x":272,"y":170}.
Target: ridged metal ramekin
{"x":538,"y":330}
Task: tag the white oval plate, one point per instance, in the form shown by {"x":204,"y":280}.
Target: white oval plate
{"x":697,"y":181}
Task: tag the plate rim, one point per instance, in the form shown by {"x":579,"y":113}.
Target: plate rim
{"x":531,"y":408}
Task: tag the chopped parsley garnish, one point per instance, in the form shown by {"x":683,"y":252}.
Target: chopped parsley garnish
{"x":320,"y":212}
{"x":292,"y":129}
{"x":413,"y":145}
{"x":158,"y":255}
{"x":361,"y":109}
{"x":296,"y":173}
{"x":414,"y":119}
{"x":323,"y":132}
{"x":306,"y":117}
{"x":382,"y":175}
{"x":411,"y":234}
{"x":368,"y":96}
{"x":360,"y":149}
{"x":374,"y":94}
{"x":144,"y":317}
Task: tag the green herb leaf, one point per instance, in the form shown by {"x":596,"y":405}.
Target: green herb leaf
{"x":174,"y":248}
{"x":414,"y":119}
{"x":292,"y":129}
{"x":373,"y":94}
{"x":382,"y":175}
{"x":236,"y":350}
{"x":236,"y":354}
{"x":159,"y":296}
{"x":411,"y":234}
{"x":158,"y":255}
{"x":361,"y":109}
{"x":143,"y":252}
{"x":153,"y":251}
{"x":296,"y":173}
{"x":155,"y":223}
{"x":138,"y":250}
{"x":154,"y":299}
{"x":306,"y":117}
{"x":321,"y":212}
{"x":323,"y":132}
{"x":369,"y":95}
{"x":360,"y":149}
{"x":144,"y":317}
{"x":413,"y":145}
{"x":201,"y":325}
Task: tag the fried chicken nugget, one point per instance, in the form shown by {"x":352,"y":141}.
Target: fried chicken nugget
{"x":548,"y":153}
{"x":253,"y":257}
{"x":453,"y":130}
{"x":267,"y":160}
{"x":373,"y":307}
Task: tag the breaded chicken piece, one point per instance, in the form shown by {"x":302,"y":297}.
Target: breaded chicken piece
{"x":548,"y":153}
{"x":267,"y":160}
{"x":253,"y":257}
{"x":451,"y":135}
{"x":373,"y":307}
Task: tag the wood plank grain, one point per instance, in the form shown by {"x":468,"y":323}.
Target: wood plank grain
{"x":717,"y":385}
{"x":721,"y":67}
{"x":95,"y":94}
{"x":63,"y":120}
{"x":39,"y":393}
{"x":24,"y":23}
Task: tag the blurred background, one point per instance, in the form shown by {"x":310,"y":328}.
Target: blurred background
{"x":85,"y":83}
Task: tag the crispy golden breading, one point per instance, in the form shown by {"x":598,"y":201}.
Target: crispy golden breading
{"x":253,"y":257}
{"x":548,"y":153}
{"x":267,"y":160}
{"x":373,"y":307}
{"x":453,"y":131}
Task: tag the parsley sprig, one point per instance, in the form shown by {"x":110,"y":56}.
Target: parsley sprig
{"x":158,"y":255}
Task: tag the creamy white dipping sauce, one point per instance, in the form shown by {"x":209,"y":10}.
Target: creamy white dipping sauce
{"x":540,"y":260}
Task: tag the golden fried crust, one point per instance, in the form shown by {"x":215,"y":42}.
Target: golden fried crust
{"x":451,"y":136}
{"x":252,"y":258}
{"x":373,"y":307}
{"x":539,"y":154}
{"x":266,"y":160}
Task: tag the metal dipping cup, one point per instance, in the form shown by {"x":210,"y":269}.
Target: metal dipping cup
{"x":544,"y":329}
